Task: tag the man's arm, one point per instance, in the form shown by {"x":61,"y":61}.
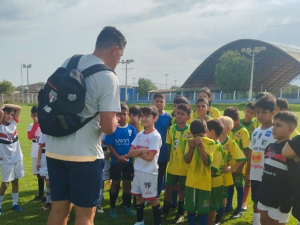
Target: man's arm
{"x":108,"y":122}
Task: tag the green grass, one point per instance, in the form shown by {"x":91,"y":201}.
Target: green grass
{"x":34,"y":215}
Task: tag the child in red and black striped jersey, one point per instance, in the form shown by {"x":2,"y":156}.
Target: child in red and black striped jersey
{"x":274,"y":199}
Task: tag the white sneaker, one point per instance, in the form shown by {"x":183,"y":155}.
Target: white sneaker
{"x":140,"y":223}
{"x":99,"y":209}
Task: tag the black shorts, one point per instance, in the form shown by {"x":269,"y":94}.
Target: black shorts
{"x":162,"y":169}
{"x":121,"y":170}
{"x":78,"y":182}
{"x":255,"y":190}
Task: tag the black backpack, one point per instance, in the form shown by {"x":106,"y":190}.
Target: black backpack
{"x":63,"y":97}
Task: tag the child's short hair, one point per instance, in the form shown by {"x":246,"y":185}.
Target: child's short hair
{"x":282,"y":103}
{"x":135,"y":110}
{"x":34,"y":109}
{"x":215,"y":125}
{"x":262,"y":94}
{"x":266,"y":103}
{"x":124,"y":106}
{"x":226,"y":120}
{"x":250,"y":105}
{"x":180,"y":100}
{"x":206,"y":91}
{"x":185,"y":108}
{"x":202,"y":100}
{"x":288,"y":117}
{"x":8,"y":110}
{"x":149,"y":110}
{"x":232,"y":112}
{"x":159,"y":95}
{"x":198,"y":126}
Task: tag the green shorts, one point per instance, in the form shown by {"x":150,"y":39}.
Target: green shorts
{"x":175,"y":179}
{"x":196,"y":200}
{"x":216,"y":198}
{"x":238,"y":180}
{"x":225,"y":192}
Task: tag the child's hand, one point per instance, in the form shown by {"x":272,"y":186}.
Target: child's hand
{"x":107,"y":155}
{"x":35,"y":119}
{"x":192,"y":143}
{"x":122,"y":159}
{"x":198,"y":141}
{"x":38,"y":164}
{"x":144,"y":150}
{"x":227,"y":169}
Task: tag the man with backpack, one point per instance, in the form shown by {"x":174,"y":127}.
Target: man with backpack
{"x":75,"y":161}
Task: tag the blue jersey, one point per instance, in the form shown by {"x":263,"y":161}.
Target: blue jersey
{"x":162,"y":124}
{"x":121,"y":141}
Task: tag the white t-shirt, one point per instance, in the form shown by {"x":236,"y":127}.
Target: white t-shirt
{"x":102,"y":95}
{"x":42,"y":142}
{"x":153,"y":142}
{"x":259,"y":141}
{"x":10,"y":151}
{"x":35,"y":141}
{"x":106,"y":161}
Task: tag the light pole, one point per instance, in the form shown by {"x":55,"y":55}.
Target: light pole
{"x":27,"y":66}
{"x":22,"y":94}
{"x":175,"y":83}
{"x":166,"y":80}
{"x":133,"y":80}
{"x":252,"y":52}
{"x":127,"y":61}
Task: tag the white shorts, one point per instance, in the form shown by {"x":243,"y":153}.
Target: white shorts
{"x":144,"y":184}
{"x":33,"y":165}
{"x":44,"y":169}
{"x":106,"y":175}
{"x":274,"y":214}
{"x":10,"y":172}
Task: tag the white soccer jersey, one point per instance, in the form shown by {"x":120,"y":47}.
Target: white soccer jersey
{"x":10,"y":151}
{"x":259,"y":141}
{"x":152,"y":141}
{"x":35,"y":141}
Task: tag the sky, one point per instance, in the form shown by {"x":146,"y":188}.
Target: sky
{"x":163,"y":36}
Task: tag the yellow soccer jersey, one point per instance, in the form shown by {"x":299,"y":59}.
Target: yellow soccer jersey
{"x":140,"y":125}
{"x":294,"y":134}
{"x":188,"y":122}
{"x":250,"y":126}
{"x":232,"y":155}
{"x":207,"y":118}
{"x":241,"y":137}
{"x":214,"y":113}
{"x":217,"y":166}
{"x":199,"y":175}
{"x":177,"y":140}
{"x":256,"y":123}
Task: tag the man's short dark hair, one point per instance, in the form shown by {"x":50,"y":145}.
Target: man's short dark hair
{"x":109,"y":37}
{"x":198,"y":126}
{"x":135,"y":110}
{"x":185,"y":108}
{"x":149,"y":110}
{"x":180,"y":100}
{"x":8,"y":110}
{"x":34,"y":109}
{"x":216,"y":126}
{"x":250,"y":105}
{"x":232,"y":112}
{"x":158,"y":95}
{"x":288,"y":117}
{"x":262,"y":94}
{"x":266,"y":103}
{"x":282,"y":103}
{"x":202,"y":100}
{"x":124,"y":106}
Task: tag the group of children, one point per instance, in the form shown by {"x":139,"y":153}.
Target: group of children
{"x":198,"y":158}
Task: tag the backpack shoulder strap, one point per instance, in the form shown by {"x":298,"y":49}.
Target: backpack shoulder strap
{"x":73,"y":63}
{"x":94,"y":69}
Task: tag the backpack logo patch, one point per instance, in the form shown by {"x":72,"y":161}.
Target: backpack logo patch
{"x":72,"y":97}
{"x":47,"y":108}
{"x":52,"y":96}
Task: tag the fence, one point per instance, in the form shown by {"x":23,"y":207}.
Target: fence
{"x":17,"y":98}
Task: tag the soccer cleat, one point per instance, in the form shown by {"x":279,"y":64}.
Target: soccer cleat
{"x":228,"y":210}
{"x":129,"y":211}
{"x":47,"y":206}
{"x":17,"y":208}
{"x":123,"y":205}
{"x":36,"y":199}
{"x":43,"y":200}
{"x":218,"y":220}
{"x":113,"y":213}
{"x":173,"y":207}
{"x":178,"y":219}
{"x":244,"y":207}
{"x":236,"y":214}
{"x":99,"y":209}
{"x":140,"y":223}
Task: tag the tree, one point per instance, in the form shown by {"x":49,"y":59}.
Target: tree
{"x":145,"y":85}
{"x":6,"y":87}
{"x":174,"y":87}
{"x":290,"y":89}
{"x":233,"y":72}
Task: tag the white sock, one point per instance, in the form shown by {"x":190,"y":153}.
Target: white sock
{"x":1,"y":199}
{"x":48,"y":195}
{"x":15,"y":197}
{"x":256,"y":219}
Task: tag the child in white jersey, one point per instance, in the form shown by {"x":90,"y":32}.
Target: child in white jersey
{"x":11,"y":157}
{"x":145,"y":148}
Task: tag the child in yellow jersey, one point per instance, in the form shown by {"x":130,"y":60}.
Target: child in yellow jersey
{"x":283,"y":105}
{"x":215,"y":128}
{"x":178,"y":136}
{"x":199,"y":155}
{"x":233,"y":159}
{"x":134,"y":118}
{"x":179,"y":100}
{"x":241,"y":136}
{"x":201,"y":106}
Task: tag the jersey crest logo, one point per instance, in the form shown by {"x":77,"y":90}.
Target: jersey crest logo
{"x":187,"y":135}
{"x":259,"y":136}
{"x":264,"y":142}
{"x":52,"y":96}
{"x":147,"y":185}
{"x":129,"y":133}
{"x":268,"y":133}
{"x":255,"y":133}
{"x":237,"y":135}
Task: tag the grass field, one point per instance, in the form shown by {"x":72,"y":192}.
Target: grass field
{"x":34,"y":215}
